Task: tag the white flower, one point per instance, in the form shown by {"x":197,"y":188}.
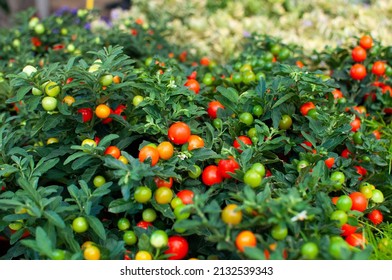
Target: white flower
{"x":172,"y":84}
{"x":182,"y":156}
{"x":300,"y":216}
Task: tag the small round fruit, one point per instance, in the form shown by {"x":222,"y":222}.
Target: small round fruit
{"x":165,"y":150}
{"x":92,"y":253}
{"x":244,"y":139}
{"x":231,"y":215}
{"x":179,"y":212}
{"x":348,"y":229}
{"x":123,"y":224}
{"x":106,"y":80}
{"x":366,"y":189}
{"x":358,"y":71}
{"x":339,"y":216}
{"x":29,"y":70}
{"x":213,"y":108}
{"x":113,"y":151}
{"x":143,"y":256}
{"x":252,"y":178}
{"x":360,"y":202}
{"x":159,"y":239}
{"x":163,"y":195}
{"x":98,"y":181}
{"x":102,"y":111}
{"x":49,"y":103}
{"x":39,"y":29}
{"x":35,"y":91}
{"x":178,"y":248}
{"x":195,"y":142}
{"x":58,"y":254}
{"x":142,"y":194}
{"x":337,"y":247}
{"x":123,"y":159}
{"x":194,"y":174}
{"x":246,"y":118}
{"x":193,"y":85}
{"x":179,"y":133}
{"x":69,"y":100}
{"x":285,"y":122}
{"x":356,"y":240}
{"x":129,"y":237}
{"x":52,"y":89}
{"x":338,"y":178}
{"x":377,"y":196}
{"x":245,"y":238}
{"x":376,"y":217}
{"x":344,"y":203}
{"x":136,"y":100}
{"x":309,"y":250}
{"x":149,"y":215}
{"x":257,"y":110}
{"x":279,"y":232}
{"x":52,"y":140}
{"x":366,"y":42}
{"x":186,"y":196}
{"x":176,"y":201}
{"x":211,"y":175}
{"x":80,"y":225}
{"x":259,"y":168}
{"x":149,"y":153}
{"x":88,"y":142}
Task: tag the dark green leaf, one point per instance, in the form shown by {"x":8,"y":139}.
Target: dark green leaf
{"x":54,"y":218}
{"x":96,"y":226}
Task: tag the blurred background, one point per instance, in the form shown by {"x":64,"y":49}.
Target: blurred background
{"x":217,"y":27}
{"x":8,"y":8}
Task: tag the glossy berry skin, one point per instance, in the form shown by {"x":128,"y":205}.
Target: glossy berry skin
{"x":178,"y":248}
{"x":213,"y":108}
{"x":179,"y":133}
{"x":227,"y":166}
{"x":211,"y":175}
{"x":359,"y":200}
{"x":376,"y":217}
{"x":87,"y":114}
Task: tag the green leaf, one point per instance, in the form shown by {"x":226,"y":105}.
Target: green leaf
{"x":165,"y":209}
{"x":20,"y":94}
{"x":102,"y":190}
{"x":70,"y":63}
{"x":68,"y":235}
{"x":309,"y":137}
{"x":44,"y":165}
{"x":96,"y":226}
{"x":203,"y":154}
{"x":74,"y":192}
{"x":261,"y":87}
{"x":144,"y":242}
{"x":32,"y":244}
{"x":264,"y":195}
{"x":43,"y":241}
{"x":52,"y":121}
{"x":254,"y":253}
{"x":82,"y":162}
{"x":75,"y":156}
{"x":283,"y":99}
{"x":249,"y":194}
{"x":120,"y":205}
{"x":7,"y":169}
{"x":54,"y":218}
{"x":107,"y":139}
{"x":187,"y":224}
